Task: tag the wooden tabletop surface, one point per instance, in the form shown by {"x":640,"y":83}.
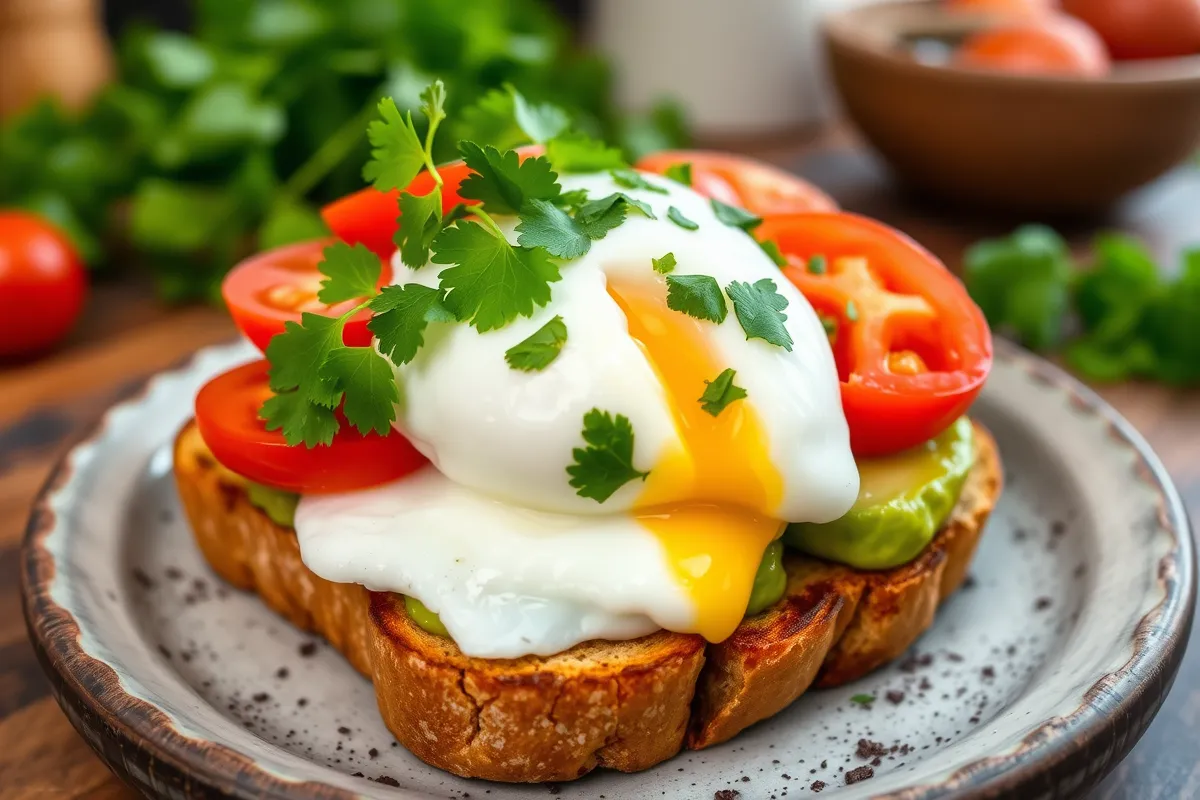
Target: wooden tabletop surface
{"x":125,"y":336}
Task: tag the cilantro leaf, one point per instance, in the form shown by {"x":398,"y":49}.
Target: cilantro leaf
{"x":300,"y":421}
{"x":735,"y":217}
{"x":598,"y":208}
{"x":401,"y":314}
{"x":368,"y":386}
{"x":420,"y":221}
{"x":350,"y":272}
{"x":680,"y":173}
{"x":720,"y":392}
{"x":664,"y":265}
{"x":297,"y":355}
{"x":606,"y":464}
{"x":773,"y":252}
{"x":397,"y":154}
{"x":541,"y":122}
{"x":862,"y":699}
{"x":676,"y":216}
{"x":578,"y":152}
{"x":491,"y":282}
{"x":433,"y":103}
{"x":502,"y":182}
{"x":632,"y":179}
{"x":759,"y":308}
{"x":544,"y":224}
{"x":540,"y":349}
{"x":697,"y":296}
{"x":504,"y":118}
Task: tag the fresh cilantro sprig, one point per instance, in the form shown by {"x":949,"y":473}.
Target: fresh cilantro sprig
{"x":720,"y":392}
{"x":735,"y":217}
{"x":606,"y":463}
{"x":664,"y":265}
{"x":310,"y":373}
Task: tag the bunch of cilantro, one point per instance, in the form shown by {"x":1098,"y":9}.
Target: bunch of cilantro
{"x":216,"y":144}
{"x":1116,"y":317}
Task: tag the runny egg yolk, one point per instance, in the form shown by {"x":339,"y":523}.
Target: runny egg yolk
{"x":709,"y":502}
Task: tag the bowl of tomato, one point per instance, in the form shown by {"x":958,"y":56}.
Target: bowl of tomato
{"x":1019,"y":105}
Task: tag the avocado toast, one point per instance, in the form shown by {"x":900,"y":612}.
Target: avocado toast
{"x":620,"y":705}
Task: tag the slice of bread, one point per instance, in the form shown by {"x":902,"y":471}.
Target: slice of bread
{"x":622,"y":705}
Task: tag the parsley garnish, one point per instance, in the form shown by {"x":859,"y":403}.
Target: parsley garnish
{"x":664,"y":265}
{"x":594,"y":208}
{"x":851,"y":311}
{"x":489,"y":281}
{"x":506,"y":119}
{"x":720,"y":392}
{"x":735,"y":217}
{"x":350,"y":273}
{"x":759,"y":308}
{"x":401,"y":314}
{"x":540,"y":349}
{"x":422,"y":215}
{"x":632,"y":179}
{"x":676,"y":216}
{"x":544,"y":224}
{"x":697,"y":296}
{"x":773,"y":252}
{"x":680,"y":173}
{"x":862,"y":699}
{"x":397,"y":154}
{"x":502,"y":182}
{"x":606,"y":464}
{"x":578,"y":152}
{"x":816,"y":264}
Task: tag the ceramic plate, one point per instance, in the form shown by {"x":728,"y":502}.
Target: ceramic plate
{"x":1036,"y":678}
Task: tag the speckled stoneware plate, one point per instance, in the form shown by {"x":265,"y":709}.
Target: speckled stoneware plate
{"x":1036,"y":678}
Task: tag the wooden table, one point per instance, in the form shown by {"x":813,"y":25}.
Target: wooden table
{"x":125,"y":336}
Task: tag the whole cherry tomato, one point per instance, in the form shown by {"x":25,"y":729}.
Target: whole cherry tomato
{"x":42,"y":285}
{"x":1049,"y":44}
{"x":1142,"y":28}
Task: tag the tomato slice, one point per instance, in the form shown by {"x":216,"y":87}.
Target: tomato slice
{"x":369,"y":216}
{"x":227,"y":415}
{"x":754,"y":185}
{"x":912,"y":348}
{"x":269,"y":289}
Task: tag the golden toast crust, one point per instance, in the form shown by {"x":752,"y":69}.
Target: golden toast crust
{"x":621,"y":705}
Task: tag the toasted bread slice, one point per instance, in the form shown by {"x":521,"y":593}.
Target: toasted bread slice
{"x":622,"y":705}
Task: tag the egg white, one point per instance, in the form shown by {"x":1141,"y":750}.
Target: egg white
{"x":492,"y":537}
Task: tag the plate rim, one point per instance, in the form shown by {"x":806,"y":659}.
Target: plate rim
{"x":1116,"y":708}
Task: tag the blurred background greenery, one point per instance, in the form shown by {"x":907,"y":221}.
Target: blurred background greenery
{"x":230,"y":122}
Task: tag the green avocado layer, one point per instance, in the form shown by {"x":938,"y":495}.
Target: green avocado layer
{"x":277,"y":504}
{"x":902,"y":502}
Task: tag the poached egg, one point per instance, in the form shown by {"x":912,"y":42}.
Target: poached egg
{"x":492,"y":537}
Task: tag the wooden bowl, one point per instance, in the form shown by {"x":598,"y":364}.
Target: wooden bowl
{"x":1030,"y":144}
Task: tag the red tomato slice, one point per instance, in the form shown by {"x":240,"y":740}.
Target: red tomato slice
{"x":369,"y":215}
{"x":912,"y":348}
{"x":267,"y":290}
{"x":227,"y":416}
{"x":755,"y":186}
